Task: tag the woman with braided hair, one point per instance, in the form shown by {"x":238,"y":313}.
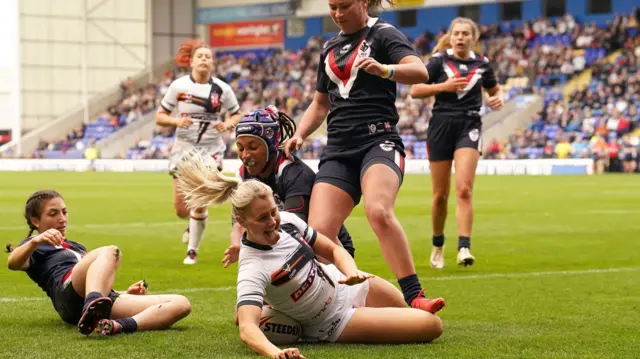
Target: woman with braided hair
{"x":259,"y":137}
{"x":79,"y":283}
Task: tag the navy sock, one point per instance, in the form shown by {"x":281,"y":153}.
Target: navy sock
{"x":464,"y":242}
{"x":90,"y":298}
{"x":438,"y":241}
{"x":129,"y":325}
{"x":410,"y":286}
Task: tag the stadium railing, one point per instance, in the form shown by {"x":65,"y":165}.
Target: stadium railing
{"x":74,"y":118}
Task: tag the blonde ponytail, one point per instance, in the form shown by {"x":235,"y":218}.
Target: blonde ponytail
{"x":202,"y":186}
{"x":444,"y":43}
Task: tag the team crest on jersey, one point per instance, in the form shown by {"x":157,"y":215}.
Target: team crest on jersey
{"x":215,"y":100}
{"x":340,"y":65}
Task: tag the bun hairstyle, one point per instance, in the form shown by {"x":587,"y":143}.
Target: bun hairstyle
{"x":186,"y":51}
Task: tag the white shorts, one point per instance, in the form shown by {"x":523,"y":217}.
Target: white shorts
{"x":347,"y":299}
{"x":214,"y":155}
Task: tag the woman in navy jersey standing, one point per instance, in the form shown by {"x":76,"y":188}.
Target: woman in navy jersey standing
{"x":456,"y":78}
{"x":364,"y":156}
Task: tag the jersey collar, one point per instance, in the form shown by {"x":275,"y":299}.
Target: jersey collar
{"x":248,"y":243}
{"x":194,"y":80}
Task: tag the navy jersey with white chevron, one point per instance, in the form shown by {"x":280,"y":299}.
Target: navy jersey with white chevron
{"x":49,"y":265}
{"x":476,"y":69}
{"x":362,"y":106}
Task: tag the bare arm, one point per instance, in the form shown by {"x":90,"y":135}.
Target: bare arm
{"x":250,"y":333}
{"x":337,"y":255}
{"x":314,"y":116}
{"x":163,"y":118}
{"x":410,"y":70}
{"x":424,"y":90}
{"x":19,"y":257}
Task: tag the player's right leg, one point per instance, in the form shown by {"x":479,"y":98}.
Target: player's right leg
{"x":440,"y":149}
{"x":131,"y":313}
{"x":391,"y":326}
{"x":332,"y":198}
{"x":92,"y":278}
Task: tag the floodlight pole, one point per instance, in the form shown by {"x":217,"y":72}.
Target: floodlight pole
{"x":84,"y":63}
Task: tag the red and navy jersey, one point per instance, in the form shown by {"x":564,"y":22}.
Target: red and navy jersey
{"x":289,"y":179}
{"x":478,"y":71}
{"x":362,"y":106}
{"x":51,"y":265}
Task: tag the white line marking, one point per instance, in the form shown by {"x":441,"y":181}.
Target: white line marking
{"x":352,"y":217}
{"x":426,"y":280}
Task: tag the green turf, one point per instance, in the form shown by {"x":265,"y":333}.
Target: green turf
{"x":530,"y":294}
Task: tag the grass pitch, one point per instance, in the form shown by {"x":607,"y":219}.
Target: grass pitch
{"x":557,"y":273}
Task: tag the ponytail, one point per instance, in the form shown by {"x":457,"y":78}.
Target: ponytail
{"x":203,"y":186}
{"x":374,"y":7}
{"x":444,"y":43}
{"x":287,"y":127}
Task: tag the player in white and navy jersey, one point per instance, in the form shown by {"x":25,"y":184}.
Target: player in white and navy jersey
{"x":457,"y":76}
{"x":335,"y":303}
{"x":356,"y":93}
{"x":82,"y":297}
{"x":199,"y":100}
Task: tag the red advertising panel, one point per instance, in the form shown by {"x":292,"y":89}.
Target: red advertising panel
{"x":262,"y":33}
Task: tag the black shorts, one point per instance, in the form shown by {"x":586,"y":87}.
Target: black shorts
{"x":344,"y":167}
{"x":447,"y":133}
{"x":69,"y":304}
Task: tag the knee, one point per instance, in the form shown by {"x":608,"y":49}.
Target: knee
{"x":464,"y":192}
{"x":433,"y":328}
{"x":181,"y":211}
{"x":379,"y":215}
{"x":112,"y":252}
{"x":183,"y":307}
{"x":440,"y":199}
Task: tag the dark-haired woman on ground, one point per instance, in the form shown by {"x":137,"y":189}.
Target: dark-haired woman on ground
{"x":258,"y":138}
{"x":79,"y":283}
{"x":198,"y":99}
{"x":358,"y":73}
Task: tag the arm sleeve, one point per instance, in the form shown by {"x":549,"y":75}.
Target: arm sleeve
{"x":489,"y":76}
{"x":252,"y":283}
{"x":170,"y":99}
{"x":434,"y":67}
{"x":229,"y":100}
{"x":396,"y":43}
{"x":308,"y":234}
{"x":322,"y":81}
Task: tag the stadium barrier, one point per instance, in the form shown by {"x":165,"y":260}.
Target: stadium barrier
{"x":485,"y":167}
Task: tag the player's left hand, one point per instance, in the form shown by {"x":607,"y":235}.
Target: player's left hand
{"x":356,"y":279}
{"x":495,"y":103}
{"x":137,"y":288}
{"x":370,"y":65}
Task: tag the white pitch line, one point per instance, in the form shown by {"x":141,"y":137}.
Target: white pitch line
{"x":426,"y":280}
{"x":353,"y":217}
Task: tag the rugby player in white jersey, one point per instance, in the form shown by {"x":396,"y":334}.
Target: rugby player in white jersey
{"x":199,"y":99}
{"x":333,"y":303}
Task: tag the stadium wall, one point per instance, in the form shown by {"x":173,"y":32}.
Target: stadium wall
{"x":431,"y":18}
{"x":59,"y":38}
{"x":485,"y":167}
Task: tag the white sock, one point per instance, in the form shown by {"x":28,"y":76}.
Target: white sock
{"x":197,"y":224}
